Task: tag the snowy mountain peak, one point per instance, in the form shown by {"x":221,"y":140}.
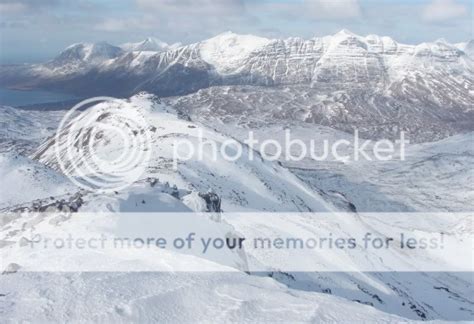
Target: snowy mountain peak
{"x":149,"y":44}
{"x":227,"y":50}
{"x":345,"y":32}
{"x":245,"y":39}
{"x":346,"y":38}
{"x":88,"y":52}
{"x":442,"y":41}
{"x":152,"y":40}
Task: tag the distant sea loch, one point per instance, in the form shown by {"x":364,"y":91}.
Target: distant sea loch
{"x":16,"y":98}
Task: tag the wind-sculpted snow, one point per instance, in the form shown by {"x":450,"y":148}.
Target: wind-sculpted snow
{"x":173,"y":298}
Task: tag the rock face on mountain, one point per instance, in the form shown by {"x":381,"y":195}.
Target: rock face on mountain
{"x":345,"y":81}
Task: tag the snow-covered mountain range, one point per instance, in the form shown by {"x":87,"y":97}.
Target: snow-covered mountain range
{"x":251,"y":60}
{"x":342,"y":81}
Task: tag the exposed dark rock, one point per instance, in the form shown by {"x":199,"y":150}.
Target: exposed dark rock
{"x":11,"y":268}
{"x":213,"y":201}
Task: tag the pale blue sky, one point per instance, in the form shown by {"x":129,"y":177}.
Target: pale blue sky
{"x":34,"y":30}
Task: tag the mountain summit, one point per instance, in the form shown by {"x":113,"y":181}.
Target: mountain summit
{"x":88,"y":52}
{"x":149,"y":44}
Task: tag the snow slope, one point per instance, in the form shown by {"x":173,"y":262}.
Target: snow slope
{"x":434,"y":177}
{"x":24,"y":180}
{"x":171,"y":298}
